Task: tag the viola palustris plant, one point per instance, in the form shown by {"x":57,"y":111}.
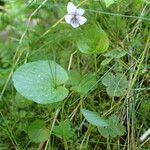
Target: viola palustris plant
{"x":74,"y":75}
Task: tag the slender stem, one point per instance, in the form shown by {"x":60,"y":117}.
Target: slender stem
{"x":95,"y":63}
{"x":53,"y":123}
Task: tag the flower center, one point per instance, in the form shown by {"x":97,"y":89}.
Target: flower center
{"x":74,"y":19}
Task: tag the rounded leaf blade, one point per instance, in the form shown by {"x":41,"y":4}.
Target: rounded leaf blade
{"x":41,"y":81}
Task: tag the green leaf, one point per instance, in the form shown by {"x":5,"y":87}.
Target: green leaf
{"x":116,"y":85}
{"x":93,"y":118}
{"x":63,"y":130}
{"x":74,"y":78}
{"x":85,"y":84}
{"x":85,"y":46}
{"x":93,"y":41}
{"x":104,"y":131}
{"x":41,"y":81}
{"x":107,"y":80}
{"x":113,"y":129}
{"x":37,"y":131}
{"x":117,"y":53}
{"x":106,"y":61}
{"x":108,"y":2}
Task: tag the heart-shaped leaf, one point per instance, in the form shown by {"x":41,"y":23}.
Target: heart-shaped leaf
{"x":41,"y":81}
{"x":93,"y":41}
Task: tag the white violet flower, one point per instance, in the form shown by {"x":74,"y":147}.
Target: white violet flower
{"x":74,"y":16}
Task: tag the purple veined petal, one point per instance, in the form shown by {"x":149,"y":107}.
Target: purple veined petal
{"x":71,"y":8}
{"x":80,"y":11}
{"x":68,"y":18}
{"x":81,"y":20}
{"x":74,"y":23}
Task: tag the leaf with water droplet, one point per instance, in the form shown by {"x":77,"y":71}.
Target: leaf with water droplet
{"x":41,"y":81}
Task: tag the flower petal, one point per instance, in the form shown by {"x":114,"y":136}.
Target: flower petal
{"x":74,"y":24}
{"x":68,"y":18}
{"x":81,"y":20}
{"x":80,"y":11}
{"x":71,"y":8}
